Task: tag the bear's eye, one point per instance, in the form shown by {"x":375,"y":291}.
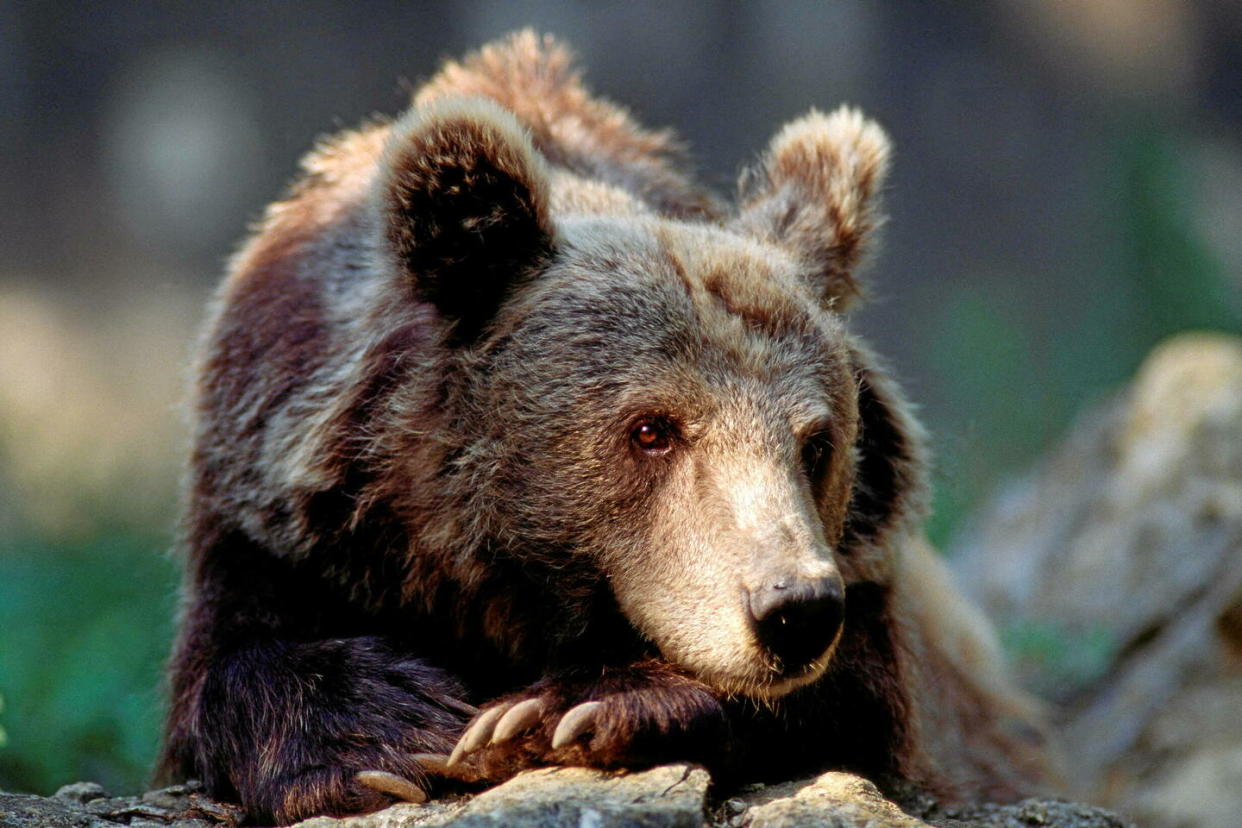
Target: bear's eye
{"x":654,"y":435}
{"x":816,"y":453}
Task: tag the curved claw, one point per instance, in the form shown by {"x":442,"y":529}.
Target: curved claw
{"x":573,"y":724}
{"x":432,"y":762}
{"x":518,"y":719}
{"x":436,"y":764}
{"x":391,"y":784}
{"x":477,"y":734}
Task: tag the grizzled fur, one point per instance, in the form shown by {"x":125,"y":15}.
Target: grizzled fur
{"x":500,"y":405}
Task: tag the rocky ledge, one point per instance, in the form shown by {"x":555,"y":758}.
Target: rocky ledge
{"x":672,"y":796}
{"x":1114,"y":569}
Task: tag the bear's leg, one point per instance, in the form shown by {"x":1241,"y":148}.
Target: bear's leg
{"x":288,"y":727}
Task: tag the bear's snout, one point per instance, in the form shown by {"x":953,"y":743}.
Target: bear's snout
{"x":798,"y":620}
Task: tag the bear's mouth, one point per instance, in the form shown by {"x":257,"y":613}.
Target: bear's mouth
{"x":783,"y":680}
{"x":769,"y":680}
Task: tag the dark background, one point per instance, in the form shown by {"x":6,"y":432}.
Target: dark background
{"x":1065,"y":193}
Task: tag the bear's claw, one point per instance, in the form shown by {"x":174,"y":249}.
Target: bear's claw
{"x":573,"y":724}
{"x":499,"y":724}
{"x":431,"y":762}
{"x":478,"y":734}
{"x":517,"y":719}
{"x":391,"y":784}
{"x":620,"y":720}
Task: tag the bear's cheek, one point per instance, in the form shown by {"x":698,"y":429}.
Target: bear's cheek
{"x":709,"y":545}
{"x":691,"y":604}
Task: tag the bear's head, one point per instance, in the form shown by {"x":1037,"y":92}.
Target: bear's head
{"x":674,"y":408}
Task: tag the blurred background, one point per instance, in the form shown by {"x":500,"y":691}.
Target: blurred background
{"x":1067,"y":191}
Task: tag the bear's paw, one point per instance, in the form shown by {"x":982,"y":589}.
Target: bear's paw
{"x":627,"y":718}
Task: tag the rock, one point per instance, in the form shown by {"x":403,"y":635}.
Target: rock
{"x":1116,"y":567}
{"x":81,"y":791}
{"x":1046,"y":813}
{"x":401,"y":815}
{"x":672,"y":795}
{"x":677,"y":795}
{"x":22,"y":811}
{"x":838,"y":800}
{"x":87,"y":805}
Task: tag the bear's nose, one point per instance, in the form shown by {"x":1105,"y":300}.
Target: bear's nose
{"x":797,"y":620}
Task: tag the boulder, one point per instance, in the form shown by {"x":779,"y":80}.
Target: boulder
{"x":1115,"y":572}
{"x":670,"y":796}
{"x":87,"y":805}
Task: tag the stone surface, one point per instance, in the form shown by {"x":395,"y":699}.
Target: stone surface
{"x":678,"y":795}
{"x":672,"y":796}
{"x":837,"y":800}
{"x":401,"y":815}
{"x":1046,"y":813}
{"x":87,"y":805}
{"x":81,"y":791}
{"x":1115,"y":571}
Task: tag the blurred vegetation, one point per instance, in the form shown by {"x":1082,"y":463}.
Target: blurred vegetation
{"x":81,"y":682}
{"x":1049,"y":227}
{"x":89,"y":445}
{"x":1165,"y":279}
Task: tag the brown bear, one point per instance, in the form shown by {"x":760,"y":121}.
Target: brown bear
{"x":499,"y":408}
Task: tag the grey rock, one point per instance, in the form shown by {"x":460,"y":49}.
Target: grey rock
{"x":672,"y":796}
{"x":81,"y":791}
{"x":401,"y":815}
{"x":1115,"y":569}
{"x":677,"y":795}
{"x":22,"y":811}
{"x":1131,"y":518}
{"x":87,"y":805}
{"x":1046,"y":813}
{"x":834,"y":800}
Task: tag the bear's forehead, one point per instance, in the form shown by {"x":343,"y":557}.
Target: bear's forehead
{"x":696,"y":286}
{"x":670,"y":310}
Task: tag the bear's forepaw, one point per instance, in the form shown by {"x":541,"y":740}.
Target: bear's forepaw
{"x":637,"y":716}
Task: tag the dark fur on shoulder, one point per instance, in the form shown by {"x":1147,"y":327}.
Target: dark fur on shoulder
{"x":501,"y":409}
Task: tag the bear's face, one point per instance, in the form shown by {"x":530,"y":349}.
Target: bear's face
{"x":672,"y":408}
{"x":671,"y":403}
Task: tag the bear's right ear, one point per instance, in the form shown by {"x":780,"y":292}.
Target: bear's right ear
{"x":815,"y":193}
{"x":464,"y":203}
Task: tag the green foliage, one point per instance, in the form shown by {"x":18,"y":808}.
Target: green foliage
{"x":84,"y":630}
{"x":1026,"y":377}
{"x":1177,"y":284}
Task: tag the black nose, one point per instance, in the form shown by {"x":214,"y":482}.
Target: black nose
{"x":797,"y":620}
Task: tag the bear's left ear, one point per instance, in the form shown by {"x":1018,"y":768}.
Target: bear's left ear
{"x":464,"y":208}
{"x":815,"y":192}
{"x":890,"y":488}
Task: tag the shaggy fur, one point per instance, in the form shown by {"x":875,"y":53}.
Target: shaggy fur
{"x":500,"y":408}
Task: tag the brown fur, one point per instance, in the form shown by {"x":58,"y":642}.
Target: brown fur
{"x":417,"y":483}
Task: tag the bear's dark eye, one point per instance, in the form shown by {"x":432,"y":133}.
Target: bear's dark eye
{"x":653,"y":435}
{"x":816,"y":453}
